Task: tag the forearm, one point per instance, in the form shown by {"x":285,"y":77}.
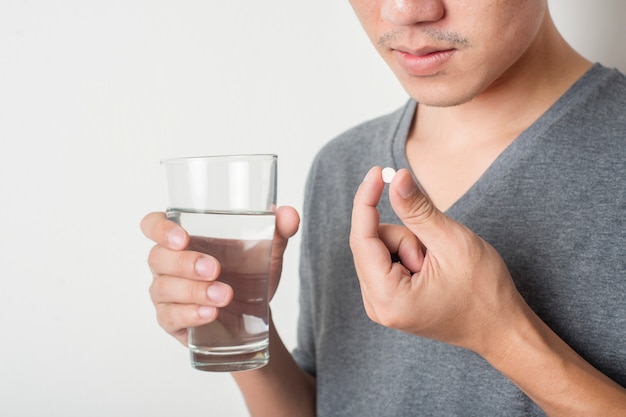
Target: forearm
{"x":281,"y":388}
{"x":552,"y":374}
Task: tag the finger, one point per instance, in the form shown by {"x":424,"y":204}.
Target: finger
{"x":287,"y":221}
{"x":371,"y":257}
{"x":287,"y":224}
{"x":168,"y":290}
{"x":176,"y":318}
{"x":156,"y":227}
{"x":416,"y":210}
{"x":365,"y":217}
{"x":401,"y":241}
{"x":186,"y":264}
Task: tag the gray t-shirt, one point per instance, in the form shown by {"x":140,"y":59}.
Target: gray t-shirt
{"x":553,"y":204}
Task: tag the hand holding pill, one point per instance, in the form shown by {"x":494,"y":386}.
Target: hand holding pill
{"x":449,"y":285}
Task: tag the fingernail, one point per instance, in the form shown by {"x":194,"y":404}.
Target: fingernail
{"x":206,"y":312}
{"x":407,"y":186}
{"x":217,"y":293}
{"x":176,"y":238}
{"x":205,"y":267}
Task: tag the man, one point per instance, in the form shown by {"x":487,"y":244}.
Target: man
{"x":521,"y":143}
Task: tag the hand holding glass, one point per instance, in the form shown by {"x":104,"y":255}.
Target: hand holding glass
{"x":226,"y":204}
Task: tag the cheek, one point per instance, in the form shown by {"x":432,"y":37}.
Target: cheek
{"x":517,"y":28}
{"x":510,"y":33}
{"x":367,"y":11}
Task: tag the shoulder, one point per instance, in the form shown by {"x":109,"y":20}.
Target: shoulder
{"x":606,"y":101}
{"x":593,"y":112}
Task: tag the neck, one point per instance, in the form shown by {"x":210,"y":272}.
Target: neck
{"x":514,"y":101}
{"x":449,"y":148}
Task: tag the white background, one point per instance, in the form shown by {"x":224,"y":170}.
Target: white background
{"x":92,"y":95}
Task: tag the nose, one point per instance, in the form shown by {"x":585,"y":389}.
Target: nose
{"x":410,"y":12}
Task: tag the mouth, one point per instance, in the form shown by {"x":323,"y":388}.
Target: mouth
{"x":423,"y":62}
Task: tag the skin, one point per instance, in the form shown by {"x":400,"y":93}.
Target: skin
{"x":185,"y":294}
{"x":482,"y":53}
{"x":454,"y":287}
{"x":480,"y":86}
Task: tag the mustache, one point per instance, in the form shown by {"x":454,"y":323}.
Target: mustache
{"x":452,"y":38}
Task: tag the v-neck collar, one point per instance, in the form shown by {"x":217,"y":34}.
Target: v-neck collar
{"x":521,"y":145}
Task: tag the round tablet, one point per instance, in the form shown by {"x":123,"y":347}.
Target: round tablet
{"x":388,"y":174}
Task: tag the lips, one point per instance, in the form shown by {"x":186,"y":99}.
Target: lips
{"x":423,"y":62}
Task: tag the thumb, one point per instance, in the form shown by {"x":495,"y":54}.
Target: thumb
{"x":287,"y":223}
{"x":416,"y":210}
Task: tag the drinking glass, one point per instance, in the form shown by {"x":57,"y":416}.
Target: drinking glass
{"x":226,"y":204}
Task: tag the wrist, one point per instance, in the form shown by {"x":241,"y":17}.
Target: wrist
{"x":508,"y":332}
{"x":549,"y":371}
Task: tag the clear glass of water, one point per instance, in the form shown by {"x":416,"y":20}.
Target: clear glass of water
{"x":227,"y":204}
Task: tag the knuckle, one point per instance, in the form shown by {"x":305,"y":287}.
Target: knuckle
{"x":153,"y":256}
{"x":158,"y":290}
{"x":145,"y":224}
{"x":420,"y":210}
{"x":166,"y":319}
{"x":175,"y":319}
{"x":197,"y":292}
{"x":155,"y":226}
{"x":187,"y":263}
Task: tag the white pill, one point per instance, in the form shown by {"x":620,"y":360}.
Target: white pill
{"x":388,"y":174}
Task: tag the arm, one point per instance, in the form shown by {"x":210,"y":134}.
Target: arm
{"x":280,"y":388}
{"x":454,"y":287}
{"x":185,"y":294}
{"x":550,"y":372}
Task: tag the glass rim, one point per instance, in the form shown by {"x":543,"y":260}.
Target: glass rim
{"x":234,"y":157}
